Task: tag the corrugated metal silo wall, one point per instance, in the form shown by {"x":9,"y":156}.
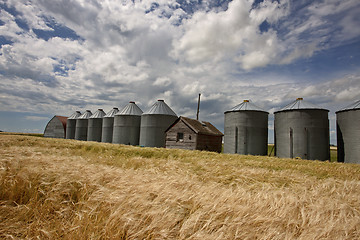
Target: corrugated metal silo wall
{"x":54,"y":129}
{"x":246,"y":132}
{"x":81,"y":129}
{"x":70,"y":128}
{"x":94,"y":129}
{"x":302,"y":133}
{"x":126,"y":129}
{"x":348,"y":136}
{"x":107,"y":129}
{"x":153,"y":127}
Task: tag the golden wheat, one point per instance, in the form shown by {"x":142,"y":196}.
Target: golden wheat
{"x":66,"y":189}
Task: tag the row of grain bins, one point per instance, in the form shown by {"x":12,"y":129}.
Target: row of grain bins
{"x":129,"y":126}
{"x":301,"y":130}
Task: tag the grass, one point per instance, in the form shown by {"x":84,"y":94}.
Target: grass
{"x":66,"y":189}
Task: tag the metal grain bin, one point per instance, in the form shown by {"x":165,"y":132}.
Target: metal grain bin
{"x":82,"y":126}
{"x":95,"y":126}
{"x":108,"y":126}
{"x":127,"y":125}
{"x":154,"y":124}
{"x":71,"y":125}
{"x":348,"y":133}
{"x":246,"y":130}
{"x":302,"y":130}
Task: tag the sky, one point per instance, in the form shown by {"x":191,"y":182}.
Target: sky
{"x":60,"y":56}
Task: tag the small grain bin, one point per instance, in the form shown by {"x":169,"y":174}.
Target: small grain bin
{"x":246,"y":129}
{"x":302,"y":130}
{"x":127,"y":125}
{"x":348,"y":133}
{"x":71,"y":125}
{"x":95,"y":126}
{"x":82,"y":126}
{"x":56,"y":127}
{"x":108,"y":125}
{"x":154,"y":123}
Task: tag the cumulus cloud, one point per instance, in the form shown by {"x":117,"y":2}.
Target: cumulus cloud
{"x":117,"y":51}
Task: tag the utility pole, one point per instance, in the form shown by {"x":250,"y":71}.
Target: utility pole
{"x":198,"y":108}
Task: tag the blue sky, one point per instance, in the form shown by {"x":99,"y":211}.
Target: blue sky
{"x":64,"y":55}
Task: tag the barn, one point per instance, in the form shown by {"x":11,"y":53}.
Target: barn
{"x":187,"y":133}
{"x":56,"y":127}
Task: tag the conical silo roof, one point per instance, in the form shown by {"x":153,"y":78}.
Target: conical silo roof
{"x":98,"y":114}
{"x":353,"y":106}
{"x":130,"y":109}
{"x":85,"y":115}
{"x":160,"y":108}
{"x":112,"y":112}
{"x":246,"y":105}
{"x":75,"y":115}
{"x":300,"y":103}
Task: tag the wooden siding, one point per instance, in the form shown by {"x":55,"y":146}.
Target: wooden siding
{"x":197,"y":141}
{"x":209,"y":143}
{"x":187,"y":143}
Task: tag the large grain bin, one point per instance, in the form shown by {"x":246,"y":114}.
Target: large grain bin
{"x":71,"y":125}
{"x":95,"y":126}
{"x":127,"y":125}
{"x":108,"y":125}
{"x":246,"y":129}
{"x":82,"y":126}
{"x":348,"y":133}
{"x":154,"y":124}
{"x":302,"y":130}
{"x":56,"y":127}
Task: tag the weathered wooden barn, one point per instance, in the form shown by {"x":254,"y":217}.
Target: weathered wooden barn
{"x":187,"y":133}
{"x":56,"y":127}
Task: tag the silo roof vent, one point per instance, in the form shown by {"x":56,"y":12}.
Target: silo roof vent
{"x":300,"y":103}
{"x":85,"y":115}
{"x":246,"y":105}
{"x":130,"y":109}
{"x":112,"y":112}
{"x":353,"y":106}
{"x":75,"y":115}
{"x":160,"y":107}
{"x":98,"y":114}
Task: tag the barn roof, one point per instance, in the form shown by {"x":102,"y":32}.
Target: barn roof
{"x":205,"y":128}
{"x":62,"y":120}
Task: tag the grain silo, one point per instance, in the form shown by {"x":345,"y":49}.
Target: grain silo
{"x":82,"y":126}
{"x":71,"y":125}
{"x":127,"y":125}
{"x":246,"y":129}
{"x":302,"y":130}
{"x":95,"y":126}
{"x":154,"y":123}
{"x":108,"y":125}
{"x":348,"y":133}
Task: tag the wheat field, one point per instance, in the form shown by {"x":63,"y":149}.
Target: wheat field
{"x":67,"y":189}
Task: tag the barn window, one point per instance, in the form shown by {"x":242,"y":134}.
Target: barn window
{"x":189,"y":137}
{"x":180,"y":137}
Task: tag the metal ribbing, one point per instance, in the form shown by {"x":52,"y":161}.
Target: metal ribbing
{"x":348,"y":135}
{"x":246,"y":132}
{"x":95,"y":126}
{"x":127,"y":125}
{"x":108,"y":126}
{"x":302,"y":133}
{"x":71,"y":125}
